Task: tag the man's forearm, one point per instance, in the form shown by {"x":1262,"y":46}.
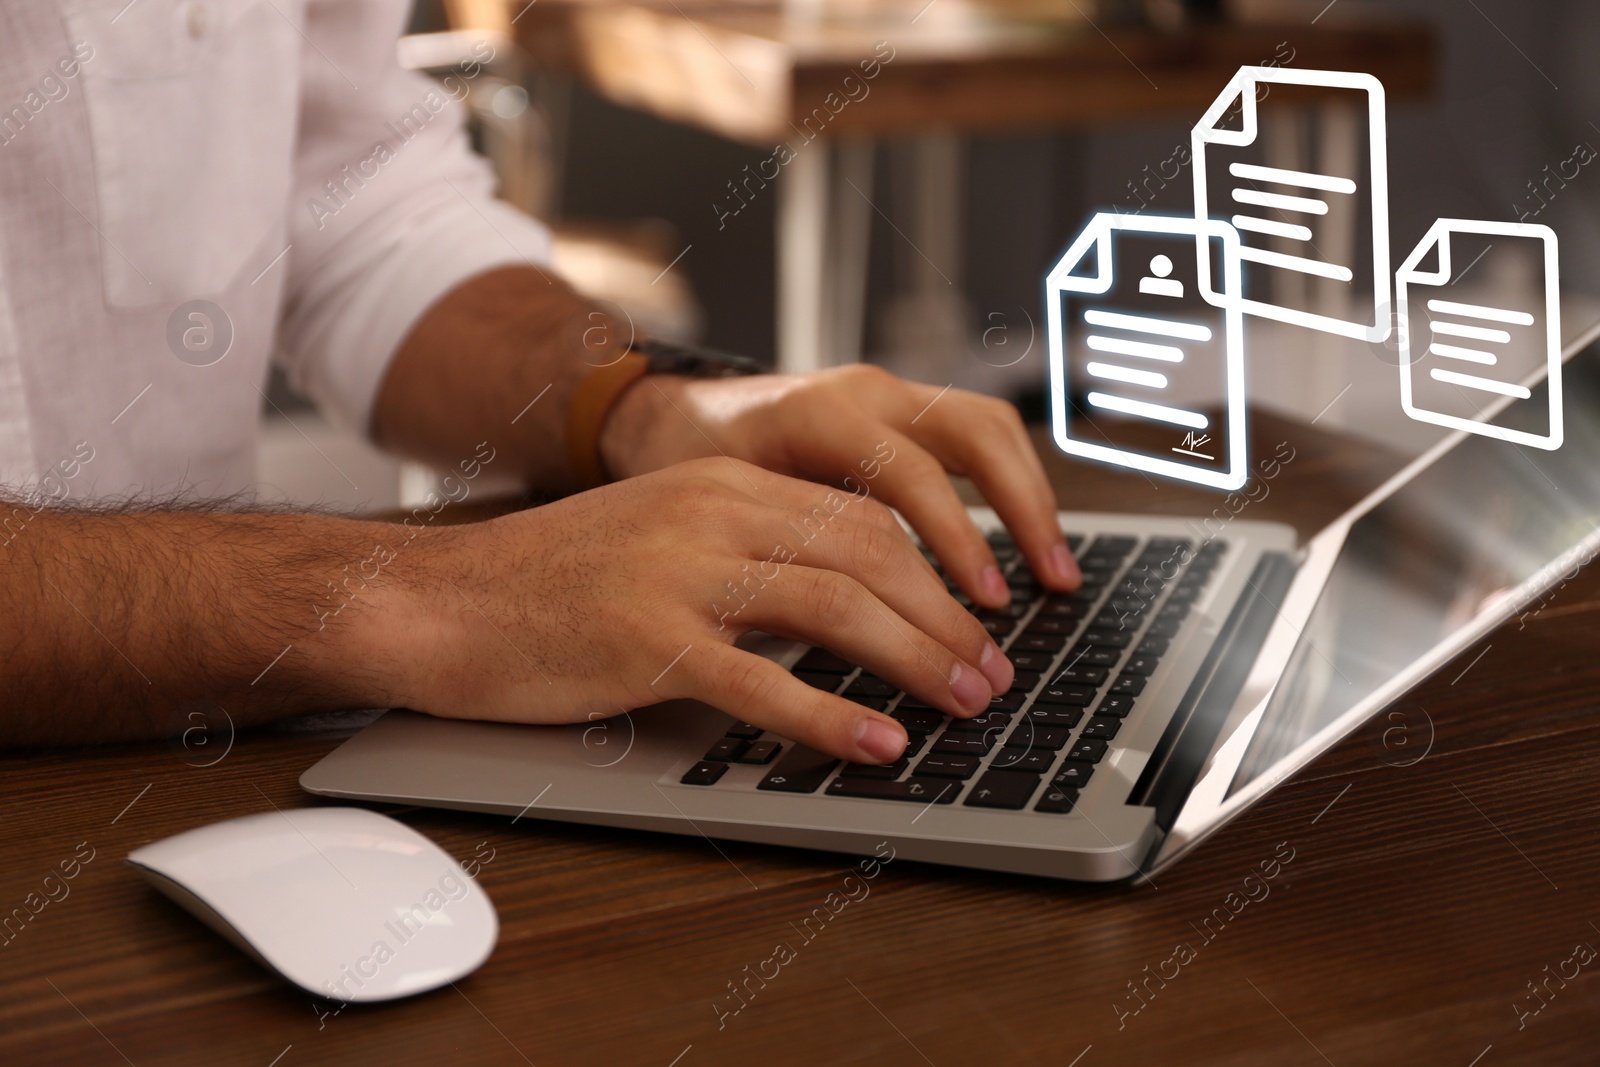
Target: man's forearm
{"x":497,"y":359}
{"x":112,"y":624}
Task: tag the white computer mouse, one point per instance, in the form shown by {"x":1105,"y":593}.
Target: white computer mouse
{"x":343,"y":902}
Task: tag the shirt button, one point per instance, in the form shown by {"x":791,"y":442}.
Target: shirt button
{"x":197,"y":21}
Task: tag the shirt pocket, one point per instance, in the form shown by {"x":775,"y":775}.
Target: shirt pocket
{"x":192,"y":115}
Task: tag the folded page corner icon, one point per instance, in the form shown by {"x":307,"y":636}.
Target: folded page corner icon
{"x":1463,"y":360}
{"x":1129,"y":332}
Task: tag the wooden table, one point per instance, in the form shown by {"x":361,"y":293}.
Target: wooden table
{"x":1422,"y":896}
{"x":766,"y":72}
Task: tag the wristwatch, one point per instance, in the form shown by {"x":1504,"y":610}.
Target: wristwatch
{"x":600,"y":389}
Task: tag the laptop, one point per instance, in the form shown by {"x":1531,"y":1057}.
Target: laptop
{"x":1202,"y":662}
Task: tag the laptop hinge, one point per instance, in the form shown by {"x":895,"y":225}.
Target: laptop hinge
{"x":1181,"y":752}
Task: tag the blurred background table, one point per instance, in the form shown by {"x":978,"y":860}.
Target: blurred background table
{"x":1442,"y":861}
{"x":760,"y":71}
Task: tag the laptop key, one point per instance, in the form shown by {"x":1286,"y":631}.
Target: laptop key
{"x":1032,"y":642}
{"x":964,"y":744}
{"x":1087,"y":751}
{"x":1164,"y":628}
{"x":935,"y":766}
{"x":744,"y":730}
{"x":821,"y":661}
{"x":1092,"y":656}
{"x":1057,"y":800}
{"x":1116,"y":545}
{"x":1052,"y":626}
{"x":1106,"y":639}
{"x":1080,"y":675}
{"x":727,"y":750}
{"x":1030,"y":661}
{"x":1153,"y":646}
{"x":1128,"y":685}
{"x":1042,"y":738}
{"x":1065,"y":608}
{"x":889,"y":771}
{"x":1023,"y":583}
{"x":999,"y":627}
{"x":1116,"y":704}
{"x":875,"y":703}
{"x":1101,"y":728}
{"x":1073,"y":775}
{"x":801,"y":770}
{"x":917,"y":721}
{"x":1180,"y":547}
{"x":1078,"y":695}
{"x":1117,"y":621}
{"x":1177,"y":611}
{"x":1054,"y":715}
{"x":704,"y":773}
{"x":917,"y":790}
{"x":760,"y":752}
{"x":1024,"y":681}
{"x":1022,"y":759}
{"x":1007,"y":701}
{"x":1142,"y":665}
{"x":989,"y":720}
{"x":1003,"y":789}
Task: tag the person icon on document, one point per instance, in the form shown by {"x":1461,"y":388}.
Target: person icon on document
{"x":1157,"y":282}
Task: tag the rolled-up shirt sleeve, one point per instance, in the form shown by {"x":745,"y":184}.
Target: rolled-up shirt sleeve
{"x":391,"y":208}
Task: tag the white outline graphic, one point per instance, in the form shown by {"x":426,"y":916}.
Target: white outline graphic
{"x":1097,"y":236}
{"x":1470,"y":343}
{"x":1243,"y":87}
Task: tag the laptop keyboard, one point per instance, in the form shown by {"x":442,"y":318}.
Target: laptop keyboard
{"x":1082,"y":660}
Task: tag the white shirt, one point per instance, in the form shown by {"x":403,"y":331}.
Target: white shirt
{"x":267,"y":157}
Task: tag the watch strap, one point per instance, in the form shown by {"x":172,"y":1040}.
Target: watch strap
{"x":591,"y":403}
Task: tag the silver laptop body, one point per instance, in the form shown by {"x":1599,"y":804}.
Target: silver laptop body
{"x":1285,"y":650}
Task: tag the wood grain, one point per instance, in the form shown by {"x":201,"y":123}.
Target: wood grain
{"x":1419,"y":901}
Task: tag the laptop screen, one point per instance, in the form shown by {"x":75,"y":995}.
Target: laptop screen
{"x":1444,"y":549}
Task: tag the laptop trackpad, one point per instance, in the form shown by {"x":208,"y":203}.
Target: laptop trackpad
{"x":609,"y":764}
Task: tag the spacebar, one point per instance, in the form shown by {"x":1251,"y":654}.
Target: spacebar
{"x":800,"y":770}
{"x":922,"y":790}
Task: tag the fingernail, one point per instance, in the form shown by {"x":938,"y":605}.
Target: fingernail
{"x":970,"y":690}
{"x":996,"y":668}
{"x":994,"y":584}
{"x":1065,"y":565}
{"x":879,"y":740}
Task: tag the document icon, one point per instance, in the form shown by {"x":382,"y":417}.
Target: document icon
{"x":1458,"y":358}
{"x":1294,"y":225}
{"x":1124,"y":310}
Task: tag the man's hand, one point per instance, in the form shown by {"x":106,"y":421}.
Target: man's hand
{"x":635,"y":592}
{"x":822,"y":426}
